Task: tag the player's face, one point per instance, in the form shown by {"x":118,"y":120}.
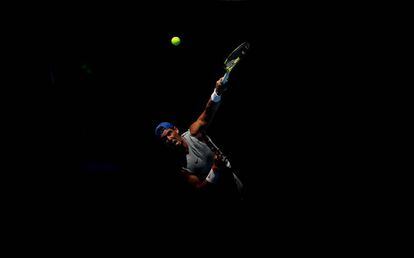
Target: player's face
{"x":172,"y":138}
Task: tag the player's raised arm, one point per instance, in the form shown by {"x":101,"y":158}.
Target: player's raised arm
{"x":206,"y":117}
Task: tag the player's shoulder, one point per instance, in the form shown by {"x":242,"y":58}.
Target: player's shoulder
{"x":186,"y":133}
{"x":200,"y":135}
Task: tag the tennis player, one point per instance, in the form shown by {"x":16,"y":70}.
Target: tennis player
{"x":204,"y":167}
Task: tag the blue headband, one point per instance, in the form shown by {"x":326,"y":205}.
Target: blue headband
{"x":161,"y":127}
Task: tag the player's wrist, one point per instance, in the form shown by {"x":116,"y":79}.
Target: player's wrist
{"x":215,"y":96}
{"x":213,"y":176}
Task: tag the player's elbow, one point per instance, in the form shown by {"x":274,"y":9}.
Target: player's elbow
{"x":198,"y":126}
{"x":202,"y":122}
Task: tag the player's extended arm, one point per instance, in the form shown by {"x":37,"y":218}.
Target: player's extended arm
{"x":204,"y":120}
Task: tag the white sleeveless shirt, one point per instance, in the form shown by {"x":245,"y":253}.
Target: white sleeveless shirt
{"x":200,"y":157}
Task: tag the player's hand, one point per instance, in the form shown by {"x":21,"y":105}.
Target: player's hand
{"x":219,"y":162}
{"x":220,"y":87}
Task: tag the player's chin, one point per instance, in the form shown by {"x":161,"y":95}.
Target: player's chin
{"x":179,"y":146}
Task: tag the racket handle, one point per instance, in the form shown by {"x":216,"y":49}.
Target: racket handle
{"x":226,"y":77}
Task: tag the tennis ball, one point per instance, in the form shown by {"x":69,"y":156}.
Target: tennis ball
{"x":175,"y":41}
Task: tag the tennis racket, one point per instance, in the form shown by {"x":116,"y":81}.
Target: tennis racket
{"x":233,"y":59}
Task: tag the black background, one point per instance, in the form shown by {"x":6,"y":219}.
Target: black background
{"x":289,"y":121}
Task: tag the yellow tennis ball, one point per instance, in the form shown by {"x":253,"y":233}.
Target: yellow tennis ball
{"x":175,"y":41}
